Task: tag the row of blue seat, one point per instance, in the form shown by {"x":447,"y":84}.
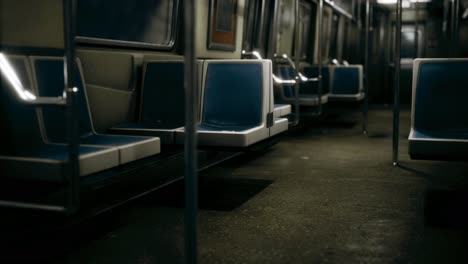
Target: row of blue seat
{"x":37,"y":136}
{"x":236,"y":110}
{"x":236,"y":99}
{"x":339,"y":83}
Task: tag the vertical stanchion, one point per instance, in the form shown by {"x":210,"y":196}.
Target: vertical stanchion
{"x":319,"y":55}
{"x":191,"y":162}
{"x":396,"y":92}
{"x":69,"y":24}
{"x":365,"y":107}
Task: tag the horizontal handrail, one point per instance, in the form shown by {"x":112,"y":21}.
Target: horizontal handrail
{"x":305,"y":79}
{"x":287,"y":58}
{"x":276,"y":79}
{"x":24,"y":95}
{"x":299,"y":75}
{"x":339,"y":9}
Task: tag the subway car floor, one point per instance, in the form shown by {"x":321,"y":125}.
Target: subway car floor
{"x":327,"y":194}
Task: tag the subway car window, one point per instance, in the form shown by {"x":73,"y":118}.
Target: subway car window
{"x":347,"y":5}
{"x":307,"y":24}
{"x":327,"y":24}
{"x":334,"y":38}
{"x":285,"y":27}
{"x":258,"y":26}
{"x":233,"y":131}
{"x":140,"y":23}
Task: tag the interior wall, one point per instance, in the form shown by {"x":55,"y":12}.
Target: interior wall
{"x":463,"y":39}
{"x":26,"y":23}
{"x":285,"y":34}
{"x":326,"y":35}
{"x":351,"y":47}
{"x":341,"y":38}
{"x":379,"y":89}
{"x":201,"y":32}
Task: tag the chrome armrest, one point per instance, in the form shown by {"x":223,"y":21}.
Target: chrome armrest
{"x":254,"y":53}
{"x":276,"y":79}
{"x":299,"y":75}
{"x":279,"y":80}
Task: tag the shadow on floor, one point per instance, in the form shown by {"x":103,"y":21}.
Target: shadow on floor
{"x":218,"y":194}
{"x":446,"y":208}
{"x":379,"y":135}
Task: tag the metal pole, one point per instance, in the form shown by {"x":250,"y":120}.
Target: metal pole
{"x":191,"y":161}
{"x":365,"y":108}
{"x":319,"y":55}
{"x":396,"y":102}
{"x":297,"y":62}
{"x":69,"y":24}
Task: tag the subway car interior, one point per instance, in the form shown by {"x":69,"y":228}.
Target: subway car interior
{"x":233,"y":131}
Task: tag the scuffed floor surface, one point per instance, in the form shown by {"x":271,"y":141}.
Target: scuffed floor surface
{"x":324,"y":195}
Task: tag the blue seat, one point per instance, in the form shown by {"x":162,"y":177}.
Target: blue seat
{"x":162,"y":107}
{"x":24,"y":153}
{"x":439,"y":125}
{"x":308,"y":92}
{"x":235,"y":103}
{"x":347,"y":83}
{"x":48,"y":73}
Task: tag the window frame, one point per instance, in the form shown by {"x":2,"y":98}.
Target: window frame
{"x":135,"y":44}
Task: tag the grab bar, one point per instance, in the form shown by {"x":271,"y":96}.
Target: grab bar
{"x":24,"y":95}
{"x":276,"y":79}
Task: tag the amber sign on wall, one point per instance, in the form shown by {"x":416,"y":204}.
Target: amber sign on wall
{"x":222,"y":25}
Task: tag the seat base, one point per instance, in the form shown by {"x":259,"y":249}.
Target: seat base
{"x":307,"y":100}
{"x":226,"y":138}
{"x":51,"y":163}
{"x":346,"y":97}
{"x":282,"y":110}
{"x":166,"y":136}
{"x":281,"y":125}
{"x":131,"y":148}
{"x":425,"y":147}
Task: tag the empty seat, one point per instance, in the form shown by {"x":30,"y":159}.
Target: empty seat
{"x":235,"y":103}
{"x":439,"y":125}
{"x":48,"y":73}
{"x":162,"y":107}
{"x":111,"y":86}
{"x":308,"y":96}
{"x":347,"y":83}
{"x":24,"y":153}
